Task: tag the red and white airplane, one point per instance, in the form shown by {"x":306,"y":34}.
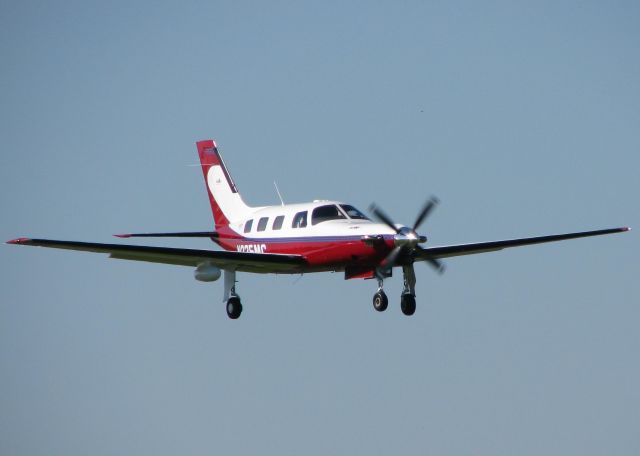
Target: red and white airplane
{"x":299,"y":238}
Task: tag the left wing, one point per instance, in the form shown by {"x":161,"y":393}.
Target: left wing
{"x":434,"y":253}
{"x":239,"y":261}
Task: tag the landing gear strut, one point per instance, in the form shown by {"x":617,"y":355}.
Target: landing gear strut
{"x":380,"y":300}
{"x":234,"y":306}
{"x":408,"y":297}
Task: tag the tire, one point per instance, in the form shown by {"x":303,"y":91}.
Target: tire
{"x":234,"y":308}
{"x":380,"y":301}
{"x":408,"y":304}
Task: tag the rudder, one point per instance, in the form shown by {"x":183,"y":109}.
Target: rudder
{"x":226,"y":203}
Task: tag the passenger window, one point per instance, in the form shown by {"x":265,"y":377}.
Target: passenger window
{"x":277,"y":223}
{"x":324,"y":213}
{"x":247,"y":226}
{"x":262,"y":223}
{"x":300,"y":220}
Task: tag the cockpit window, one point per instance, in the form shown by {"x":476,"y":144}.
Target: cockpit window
{"x":353,"y":213}
{"x":247,"y":226}
{"x":300,"y":220}
{"x":325,"y":213}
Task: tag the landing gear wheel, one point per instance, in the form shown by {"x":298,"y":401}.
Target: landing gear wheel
{"x":408,"y":304}
{"x":234,"y":307}
{"x":380,"y":301}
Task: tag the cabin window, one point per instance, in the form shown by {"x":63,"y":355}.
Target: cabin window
{"x":300,"y":220}
{"x":353,"y":213}
{"x":325,"y":213}
{"x":262,"y":223}
{"x":277,"y":222}
{"x":247,"y":226}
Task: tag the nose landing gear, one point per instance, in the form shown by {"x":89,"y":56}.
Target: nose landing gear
{"x":380,"y":300}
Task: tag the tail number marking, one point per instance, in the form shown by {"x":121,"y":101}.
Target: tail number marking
{"x":251,"y":248}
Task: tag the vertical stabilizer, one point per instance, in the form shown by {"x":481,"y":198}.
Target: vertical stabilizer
{"x":226,"y":203}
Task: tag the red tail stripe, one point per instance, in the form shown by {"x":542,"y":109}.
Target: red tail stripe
{"x":209,"y":156}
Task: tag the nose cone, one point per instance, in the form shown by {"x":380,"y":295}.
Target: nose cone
{"x":407,"y":238}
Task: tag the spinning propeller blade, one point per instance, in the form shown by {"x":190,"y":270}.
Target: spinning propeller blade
{"x":426,"y":210}
{"x":383,"y":217}
{"x":434,"y":263}
{"x":390,"y":259}
{"x":407,"y":239}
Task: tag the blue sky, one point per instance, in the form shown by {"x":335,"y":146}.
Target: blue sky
{"x":522,"y":118}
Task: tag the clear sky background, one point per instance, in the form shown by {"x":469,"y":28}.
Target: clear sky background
{"x":523,"y":119}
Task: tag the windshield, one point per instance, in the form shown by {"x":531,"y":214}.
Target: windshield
{"x":352,"y":212}
{"x":325,"y":213}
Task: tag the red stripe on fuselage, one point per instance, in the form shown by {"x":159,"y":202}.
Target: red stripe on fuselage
{"x":333,"y":254}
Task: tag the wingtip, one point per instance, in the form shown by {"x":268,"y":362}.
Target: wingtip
{"x":126,"y":235}
{"x":626,"y":228}
{"x":21,"y":240}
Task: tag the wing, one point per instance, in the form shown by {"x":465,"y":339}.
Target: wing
{"x":431,"y":253}
{"x":245,"y":262}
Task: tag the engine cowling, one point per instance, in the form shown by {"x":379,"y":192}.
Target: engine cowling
{"x":207,"y":273}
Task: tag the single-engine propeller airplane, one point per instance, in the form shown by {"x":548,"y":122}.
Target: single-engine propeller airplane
{"x":299,"y":238}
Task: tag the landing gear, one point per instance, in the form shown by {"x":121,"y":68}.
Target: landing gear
{"x":408,"y":297}
{"x":234,"y":307}
{"x":232,"y":300}
{"x":380,"y":300}
{"x":408,"y":304}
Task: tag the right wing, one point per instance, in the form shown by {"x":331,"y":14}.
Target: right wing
{"x":434,"y":253}
{"x":239,"y":261}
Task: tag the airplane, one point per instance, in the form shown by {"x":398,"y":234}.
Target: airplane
{"x":320,"y":236}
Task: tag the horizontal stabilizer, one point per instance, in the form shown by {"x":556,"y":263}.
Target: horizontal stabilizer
{"x":186,"y":234}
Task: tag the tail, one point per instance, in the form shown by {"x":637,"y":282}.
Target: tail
{"x":226,"y":203}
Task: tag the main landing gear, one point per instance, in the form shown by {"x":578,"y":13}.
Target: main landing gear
{"x":408,"y":304}
{"x":234,"y":306}
{"x":408,"y":297}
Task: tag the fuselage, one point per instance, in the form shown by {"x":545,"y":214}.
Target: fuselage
{"x":331,"y":235}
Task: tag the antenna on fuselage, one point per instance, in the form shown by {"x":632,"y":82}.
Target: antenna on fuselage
{"x":278,"y":192}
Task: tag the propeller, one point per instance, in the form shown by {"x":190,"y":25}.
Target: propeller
{"x":383,"y":217}
{"x":428,"y":206}
{"x":436,"y":264}
{"x":407,"y":239}
{"x":390,"y":259}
